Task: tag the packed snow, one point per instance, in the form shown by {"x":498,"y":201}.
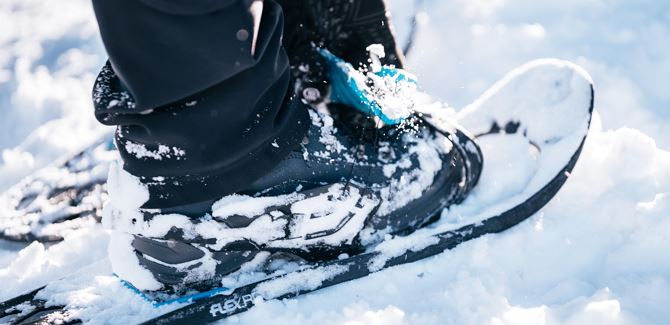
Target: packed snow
{"x":596,"y":254}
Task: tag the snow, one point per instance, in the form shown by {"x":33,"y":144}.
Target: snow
{"x":127,"y":194}
{"x":622,"y":44}
{"x":247,"y":206}
{"x":294,"y":282}
{"x":516,"y":176}
{"x":126,"y":264}
{"x":412,"y":183}
{"x":386,"y":92}
{"x":321,"y":212}
{"x":38,"y":264}
{"x":551,"y":112}
{"x":50,"y":55}
{"x":88,"y":170}
{"x":95,"y":295}
{"x":394,"y":248}
{"x":596,"y":254}
{"x":141,"y":151}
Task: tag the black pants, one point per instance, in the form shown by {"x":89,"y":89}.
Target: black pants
{"x":212,"y":109}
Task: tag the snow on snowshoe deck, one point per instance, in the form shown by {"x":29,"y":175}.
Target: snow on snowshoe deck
{"x":528,"y":123}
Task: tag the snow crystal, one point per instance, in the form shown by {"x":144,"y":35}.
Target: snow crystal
{"x":95,"y":297}
{"x":412,"y":182}
{"x":393,"y":90}
{"x":318,"y":213}
{"x":126,"y":195}
{"x":112,"y":103}
{"x":398,"y":246}
{"x":327,"y":137}
{"x":140,"y":151}
{"x":248,"y":206}
{"x":376,"y":52}
{"x":302,"y":280}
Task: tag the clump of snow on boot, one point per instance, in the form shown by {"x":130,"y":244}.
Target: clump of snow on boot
{"x":127,"y":194}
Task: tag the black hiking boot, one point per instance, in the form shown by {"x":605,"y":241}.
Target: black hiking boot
{"x":348,"y":185}
{"x":343,"y":190}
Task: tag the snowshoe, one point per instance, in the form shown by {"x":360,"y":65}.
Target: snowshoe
{"x":531,"y":126}
{"x":60,"y":198}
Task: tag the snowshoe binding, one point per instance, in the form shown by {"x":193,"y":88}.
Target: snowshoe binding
{"x":350,"y":183}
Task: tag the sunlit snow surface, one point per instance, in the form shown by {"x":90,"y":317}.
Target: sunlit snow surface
{"x":596,"y":254}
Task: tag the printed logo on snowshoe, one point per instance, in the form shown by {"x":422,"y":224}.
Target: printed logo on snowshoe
{"x":234,"y":303}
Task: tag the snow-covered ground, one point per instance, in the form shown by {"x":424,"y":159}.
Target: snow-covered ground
{"x":596,"y":254}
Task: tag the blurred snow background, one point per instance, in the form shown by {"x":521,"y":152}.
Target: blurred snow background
{"x":596,"y":254}
{"x":467,"y":44}
{"x":49,"y":56}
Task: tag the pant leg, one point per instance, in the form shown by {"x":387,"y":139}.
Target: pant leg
{"x":200,"y":93}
